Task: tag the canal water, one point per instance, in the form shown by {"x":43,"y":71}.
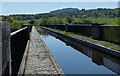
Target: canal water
{"x":75,"y":58}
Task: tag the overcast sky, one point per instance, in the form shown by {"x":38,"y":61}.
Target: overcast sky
{"x":59,"y":0}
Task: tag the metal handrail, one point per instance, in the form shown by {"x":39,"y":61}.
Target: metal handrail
{"x":13,"y":33}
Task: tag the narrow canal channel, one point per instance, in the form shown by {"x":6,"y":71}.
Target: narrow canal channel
{"x":75,"y":58}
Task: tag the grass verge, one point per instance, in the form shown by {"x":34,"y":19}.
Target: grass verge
{"x":103,"y":43}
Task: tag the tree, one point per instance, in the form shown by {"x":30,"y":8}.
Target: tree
{"x":82,"y":9}
{"x":77,"y":22}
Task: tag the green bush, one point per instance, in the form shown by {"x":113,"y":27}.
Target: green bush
{"x":14,"y":24}
{"x":77,"y":22}
{"x":86,"y":21}
{"x":69,"y":20}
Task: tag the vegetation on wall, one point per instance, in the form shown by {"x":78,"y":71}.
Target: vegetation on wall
{"x":71,"y":12}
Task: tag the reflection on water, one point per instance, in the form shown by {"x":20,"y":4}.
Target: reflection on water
{"x":75,"y":58}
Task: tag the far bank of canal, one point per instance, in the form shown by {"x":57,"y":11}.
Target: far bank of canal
{"x":76,"y":58}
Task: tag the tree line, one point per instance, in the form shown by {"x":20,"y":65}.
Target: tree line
{"x":67,"y":20}
{"x":14,"y":24}
{"x":61,"y":16}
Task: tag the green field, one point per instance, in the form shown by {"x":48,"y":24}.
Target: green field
{"x":104,"y":20}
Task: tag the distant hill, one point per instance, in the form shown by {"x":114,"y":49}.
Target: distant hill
{"x":72,"y":12}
